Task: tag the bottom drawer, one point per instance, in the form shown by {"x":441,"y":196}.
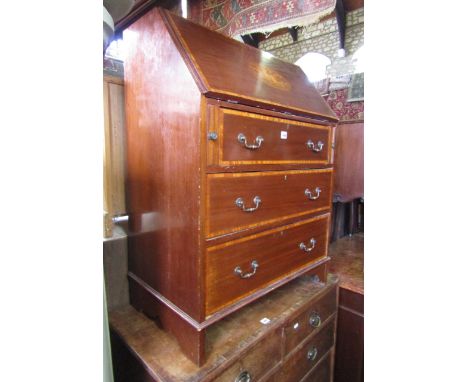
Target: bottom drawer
{"x":237,"y":269}
{"x":306,"y":357}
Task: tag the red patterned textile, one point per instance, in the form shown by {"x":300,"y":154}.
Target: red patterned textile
{"x":238,"y":17}
{"x":345,"y":111}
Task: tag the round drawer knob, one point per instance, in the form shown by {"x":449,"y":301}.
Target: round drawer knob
{"x":312,"y":354}
{"x":243,"y":377}
{"x":315,"y":320}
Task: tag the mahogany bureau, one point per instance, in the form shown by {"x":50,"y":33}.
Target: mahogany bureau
{"x":229,"y":177}
{"x":288,"y":336}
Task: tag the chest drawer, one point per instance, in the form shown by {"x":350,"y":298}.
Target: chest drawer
{"x":245,"y":138}
{"x":256,"y":363}
{"x":305,"y":358}
{"x":300,"y":327}
{"x":243,"y":200}
{"x":238,"y":268}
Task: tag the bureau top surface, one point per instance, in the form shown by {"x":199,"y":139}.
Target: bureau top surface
{"x":228,"y":69}
{"x":159,"y":351}
{"x":347,"y":260}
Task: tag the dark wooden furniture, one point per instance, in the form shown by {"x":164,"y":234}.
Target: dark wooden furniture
{"x":287,"y":336}
{"x":347,"y":256}
{"x":348,"y":190}
{"x":349,"y":162}
{"x":229,"y":175}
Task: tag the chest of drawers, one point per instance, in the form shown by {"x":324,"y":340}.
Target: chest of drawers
{"x":287,"y":336}
{"x":229,"y":175}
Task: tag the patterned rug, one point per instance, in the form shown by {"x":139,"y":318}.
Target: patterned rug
{"x":344,"y":110}
{"x":239,"y":17}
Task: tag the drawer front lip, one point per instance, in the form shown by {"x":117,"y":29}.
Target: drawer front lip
{"x":325,"y":307}
{"x":274,"y":149}
{"x":282,"y":195}
{"x":277,"y":253}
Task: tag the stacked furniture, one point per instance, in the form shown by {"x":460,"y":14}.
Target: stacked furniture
{"x":288,"y":336}
{"x":229,"y":175}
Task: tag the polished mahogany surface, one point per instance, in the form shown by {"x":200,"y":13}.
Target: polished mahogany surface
{"x":268,"y":156}
{"x":162,"y":126}
{"x":283,"y":141}
{"x":178,"y":273}
{"x":238,"y":343}
{"x":277,"y":253}
{"x":219,"y":61}
{"x":275,"y":205}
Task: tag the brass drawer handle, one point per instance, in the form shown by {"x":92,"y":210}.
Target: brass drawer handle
{"x":311,"y":146}
{"x":243,"y":377}
{"x":240,"y":203}
{"x":315,"y":320}
{"x":308,"y":249}
{"x":238,"y":270}
{"x":242,"y":139}
{"x":308,"y":193}
{"x":312,"y":353}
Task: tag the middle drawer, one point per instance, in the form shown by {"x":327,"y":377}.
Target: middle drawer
{"x":237,"y":269}
{"x":243,"y":200}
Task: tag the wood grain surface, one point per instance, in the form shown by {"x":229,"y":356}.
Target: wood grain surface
{"x":161,"y":126}
{"x":300,"y":328}
{"x":349,"y":161}
{"x":177,"y":275}
{"x":276,"y":251}
{"x":266,"y":80}
{"x":348,"y":262}
{"x":156,"y":355}
{"x":285,"y":141}
{"x":224,"y":216}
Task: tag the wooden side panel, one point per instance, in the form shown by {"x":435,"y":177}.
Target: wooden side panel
{"x":164,"y":170}
{"x":349,"y":161}
{"x":349,"y":361}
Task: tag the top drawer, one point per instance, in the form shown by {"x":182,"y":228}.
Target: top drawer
{"x":246,"y":139}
